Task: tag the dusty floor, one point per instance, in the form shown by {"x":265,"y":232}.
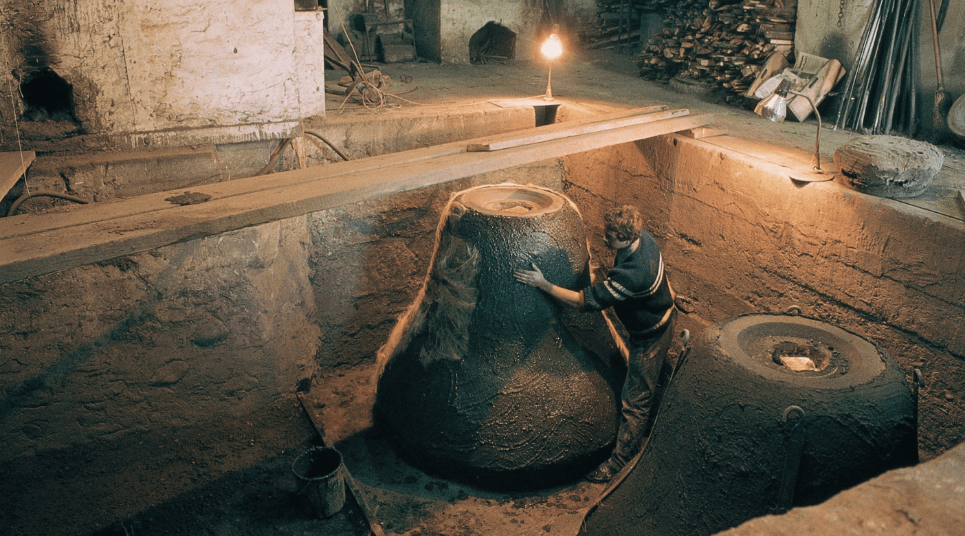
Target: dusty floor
{"x":584,"y":77}
{"x":202,"y":483}
{"x":235,"y":478}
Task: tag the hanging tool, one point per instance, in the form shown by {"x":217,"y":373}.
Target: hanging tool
{"x":792,"y":458}
{"x":942,"y":98}
{"x":917,"y":383}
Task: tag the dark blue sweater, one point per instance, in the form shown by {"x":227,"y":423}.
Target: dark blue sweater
{"x":637,"y":288}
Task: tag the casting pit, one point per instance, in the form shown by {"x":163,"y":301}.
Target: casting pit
{"x":397,"y":225}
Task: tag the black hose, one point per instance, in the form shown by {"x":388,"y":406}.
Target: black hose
{"x":274,"y":158}
{"x":16,"y":204}
{"x":334,"y":148}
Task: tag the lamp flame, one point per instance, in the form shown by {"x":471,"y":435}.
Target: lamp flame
{"x":552,"y":48}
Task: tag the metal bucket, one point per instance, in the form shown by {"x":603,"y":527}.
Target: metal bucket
{"x":320,"y":480}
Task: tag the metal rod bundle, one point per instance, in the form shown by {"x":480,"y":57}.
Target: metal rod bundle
{"x":879,"y":96}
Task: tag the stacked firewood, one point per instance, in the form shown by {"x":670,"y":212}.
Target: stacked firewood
{"x":618,"y":21}
{"x":719,"y":43}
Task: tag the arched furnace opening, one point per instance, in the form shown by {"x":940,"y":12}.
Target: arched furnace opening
{"x":492,"y":42}
{"x":47,"y":97}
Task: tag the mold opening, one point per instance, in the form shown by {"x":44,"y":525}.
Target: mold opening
{"x":510,"y":201}
{"x":801,"y":356}
{"x":493,"y":42}
{"x":514,"y":206}
{"x":47,"y":97}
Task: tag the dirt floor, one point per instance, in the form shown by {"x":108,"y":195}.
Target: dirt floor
{"x":607,"y":78}
{"x":236,"y":478}
{"x":241,"y":483}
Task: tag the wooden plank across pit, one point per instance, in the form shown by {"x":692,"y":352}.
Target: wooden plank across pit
{"x":39,"y":244}
{"x":12,"y":167}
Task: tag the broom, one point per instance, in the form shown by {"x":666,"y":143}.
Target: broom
{"x":942,"y":98}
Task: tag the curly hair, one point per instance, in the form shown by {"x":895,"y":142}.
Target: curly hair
{"x":625,"y":222}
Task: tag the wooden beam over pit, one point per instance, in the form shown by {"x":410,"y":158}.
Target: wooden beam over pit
{"x":12,"y":167}
{"x":38,"y":244}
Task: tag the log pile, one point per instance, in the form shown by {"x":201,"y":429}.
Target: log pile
{"x":719,"y":43}
{"x":617,"y":23}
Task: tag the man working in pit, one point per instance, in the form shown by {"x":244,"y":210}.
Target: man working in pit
{"x":638,"y":290}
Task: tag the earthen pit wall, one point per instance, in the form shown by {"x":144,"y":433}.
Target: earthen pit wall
{"x":195,"y":333}
{"x":209,"y":331}
{"x":213,"y":332}
{"x":739,"y":237}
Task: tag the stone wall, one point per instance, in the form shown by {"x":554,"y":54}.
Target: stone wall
{"x":443,"y":27}
{"x":197,"y":333}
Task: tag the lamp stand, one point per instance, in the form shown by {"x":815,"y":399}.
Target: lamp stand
{"x":549,"y":89}
{"x":821,"y":176}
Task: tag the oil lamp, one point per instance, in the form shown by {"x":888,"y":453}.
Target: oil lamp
{"x":552,"y":48}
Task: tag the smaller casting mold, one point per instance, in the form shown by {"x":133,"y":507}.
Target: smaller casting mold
{"x":889,"y":166}
{"x":740,"y":434}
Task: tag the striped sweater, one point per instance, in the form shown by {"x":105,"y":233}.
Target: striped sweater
{"x":637,"y":288}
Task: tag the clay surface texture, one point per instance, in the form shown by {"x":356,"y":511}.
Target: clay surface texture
{"x":889,"y":166}
{"x":737,"y":424}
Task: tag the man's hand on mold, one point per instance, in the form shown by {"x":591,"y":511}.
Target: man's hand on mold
{"x":533,"y":278}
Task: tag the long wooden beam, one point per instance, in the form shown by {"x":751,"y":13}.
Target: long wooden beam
{"x":549,"y":135}
{"x":38,"y":244}
{"x":12,"y":167}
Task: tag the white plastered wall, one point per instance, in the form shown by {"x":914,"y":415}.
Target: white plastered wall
{"x":146,"y":66}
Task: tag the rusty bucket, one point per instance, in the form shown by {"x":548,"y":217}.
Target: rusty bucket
{"x":320,"y":481}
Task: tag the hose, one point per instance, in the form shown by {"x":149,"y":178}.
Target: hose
{"x":286,"y":141}
{"x":49,"y":193}
{"x":274,"y":157}
{"x":334,"y":148}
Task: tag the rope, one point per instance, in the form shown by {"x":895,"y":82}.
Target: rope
{"x":358,"y":62}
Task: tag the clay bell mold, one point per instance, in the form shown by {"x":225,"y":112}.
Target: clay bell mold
{"x":480,"y":381}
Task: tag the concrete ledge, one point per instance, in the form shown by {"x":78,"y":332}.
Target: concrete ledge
{"x":925,"y":500}
{"x":171,"y":138}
